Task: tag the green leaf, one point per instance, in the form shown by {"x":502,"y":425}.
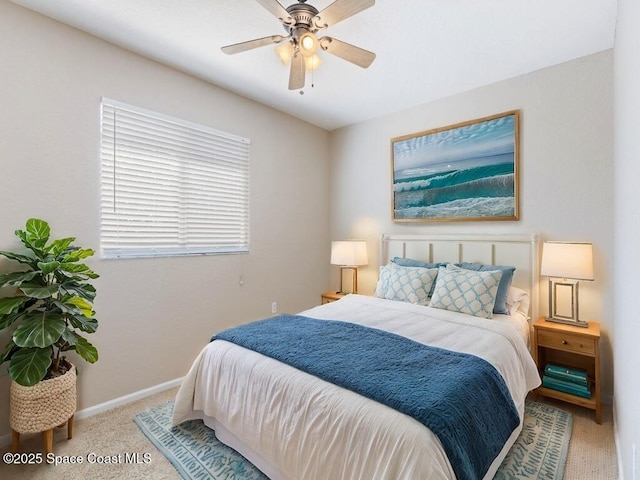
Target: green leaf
{"x":39,"y":330}
{"x":84,"y":290}
{"x":29,"y":365}
{"x":25,"y":259}
{"x":89,"y":325}
{"x":38,"y":232}
{"x":70,"y":337}
{"x":78,"y":254}
{"x":58,"y":246}
{"x":86,"y":350}
{"x":6,"y":320}
{"x":37,"y":291}
{"x":24,"y":237}
{"x":16,"y":278}
{"x":9,"y":304}
{"x":78,"y":269}
{"x":47,"y":267}
{"x":8,"y":351}
{"x":85,"y":307}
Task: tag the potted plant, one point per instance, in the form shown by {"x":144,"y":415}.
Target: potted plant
{"x":52,"y":306}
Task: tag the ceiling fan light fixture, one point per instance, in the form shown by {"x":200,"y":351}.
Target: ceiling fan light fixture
{"x":308,"y":44}
{"x":285,"y":52}
{"x":312,"y":63}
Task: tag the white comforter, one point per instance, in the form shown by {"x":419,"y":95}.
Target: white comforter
{"x":295,"y":426}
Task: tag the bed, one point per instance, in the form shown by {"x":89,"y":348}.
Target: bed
{"x":294,"y":422}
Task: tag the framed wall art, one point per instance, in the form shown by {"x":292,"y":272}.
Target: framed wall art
{"x":462,"y":172}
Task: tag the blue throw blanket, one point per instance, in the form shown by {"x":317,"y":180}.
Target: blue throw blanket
{"x":461,"y":398}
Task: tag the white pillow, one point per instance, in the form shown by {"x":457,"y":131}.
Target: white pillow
{"x":406,"y":284}
{"x":518,"y":301}
{"x":466,"y":291}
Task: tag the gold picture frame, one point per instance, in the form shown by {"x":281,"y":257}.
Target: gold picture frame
{"x":463,"y":172}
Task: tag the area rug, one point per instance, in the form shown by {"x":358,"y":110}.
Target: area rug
{"x":539,"y":453}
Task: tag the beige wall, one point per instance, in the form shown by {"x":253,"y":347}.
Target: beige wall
{"x":155,"y":314}
{"x":627,"y":237}
{"x":566,"y":171}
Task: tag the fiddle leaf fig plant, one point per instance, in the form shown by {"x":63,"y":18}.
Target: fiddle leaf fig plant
{"x":52,"y":307}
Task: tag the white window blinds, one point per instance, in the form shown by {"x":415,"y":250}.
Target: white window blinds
{"x":170,"y":187}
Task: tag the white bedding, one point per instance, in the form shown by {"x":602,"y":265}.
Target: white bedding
{"x":295,"y":426}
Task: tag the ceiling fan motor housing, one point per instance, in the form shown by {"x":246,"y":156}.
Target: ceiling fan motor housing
{"x":302,"y":15}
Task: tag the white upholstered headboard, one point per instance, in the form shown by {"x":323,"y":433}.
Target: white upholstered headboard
{"x":520,"y":251}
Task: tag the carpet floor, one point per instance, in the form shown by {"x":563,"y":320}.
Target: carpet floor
{"x":591,"y":454}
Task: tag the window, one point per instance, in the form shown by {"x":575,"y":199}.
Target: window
{"x":170,"y":187}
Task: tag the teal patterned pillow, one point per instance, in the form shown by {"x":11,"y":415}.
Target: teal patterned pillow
{"x":410,"y":284}
{"x":383,"y":281}
{"x":466,"y":291}
{"x":505,"y":282}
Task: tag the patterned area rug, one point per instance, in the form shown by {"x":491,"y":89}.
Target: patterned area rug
{"x":539,"y":453}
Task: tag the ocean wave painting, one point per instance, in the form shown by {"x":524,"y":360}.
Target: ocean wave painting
{"x":466,"y":171}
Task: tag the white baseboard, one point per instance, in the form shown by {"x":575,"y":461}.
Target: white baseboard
{"x":617,"y":440}
{"x":111,"y":404}
{"x":132,"y":397}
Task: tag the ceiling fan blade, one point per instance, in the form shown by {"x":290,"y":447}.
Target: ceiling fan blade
{"x":350,"y":53}
{"x":251,"y":44}
{"x":277,"y":10}
{"x":296,"y":77}
{"x":340,"y":10}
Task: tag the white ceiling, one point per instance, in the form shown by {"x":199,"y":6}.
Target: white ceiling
{"x":426,"y":49}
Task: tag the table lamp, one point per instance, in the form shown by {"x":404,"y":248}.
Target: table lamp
{"x":566,"y":263}
{"x":349,"y":254}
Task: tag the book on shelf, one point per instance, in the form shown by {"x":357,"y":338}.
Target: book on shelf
{"x":566,"y":387}
{"x":572,"y":375}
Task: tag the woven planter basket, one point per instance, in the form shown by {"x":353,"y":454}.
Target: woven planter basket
{"x":44,"y":405}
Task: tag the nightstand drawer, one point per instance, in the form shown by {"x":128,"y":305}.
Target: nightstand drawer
{"x":329,"y":297}
{"x":567,"y":342}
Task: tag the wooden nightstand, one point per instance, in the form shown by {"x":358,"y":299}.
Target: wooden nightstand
{"x":573,"y":347}
{"x":328,"y":297}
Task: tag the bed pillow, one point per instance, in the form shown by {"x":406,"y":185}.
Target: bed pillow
{"x":518,"y":301}
{"x":383,"y":281}
{"x":406,"y":284}
{"x":466,"y":291}
{"x":503,"y":289}
{"x":410,"y":262}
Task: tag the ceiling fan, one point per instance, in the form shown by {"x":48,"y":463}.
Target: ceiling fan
{"x":302,"y":22}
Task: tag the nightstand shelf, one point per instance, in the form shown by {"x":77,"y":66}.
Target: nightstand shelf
{"x":573,"y":347}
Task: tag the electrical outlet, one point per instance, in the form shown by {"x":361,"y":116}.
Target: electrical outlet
{"x":274,"y":307}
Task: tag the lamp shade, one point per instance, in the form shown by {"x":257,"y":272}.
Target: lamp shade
{"x":349,"y":253}
{"x":567,"y":260}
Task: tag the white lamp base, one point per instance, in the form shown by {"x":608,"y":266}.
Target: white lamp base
{"x":354,"y":279}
